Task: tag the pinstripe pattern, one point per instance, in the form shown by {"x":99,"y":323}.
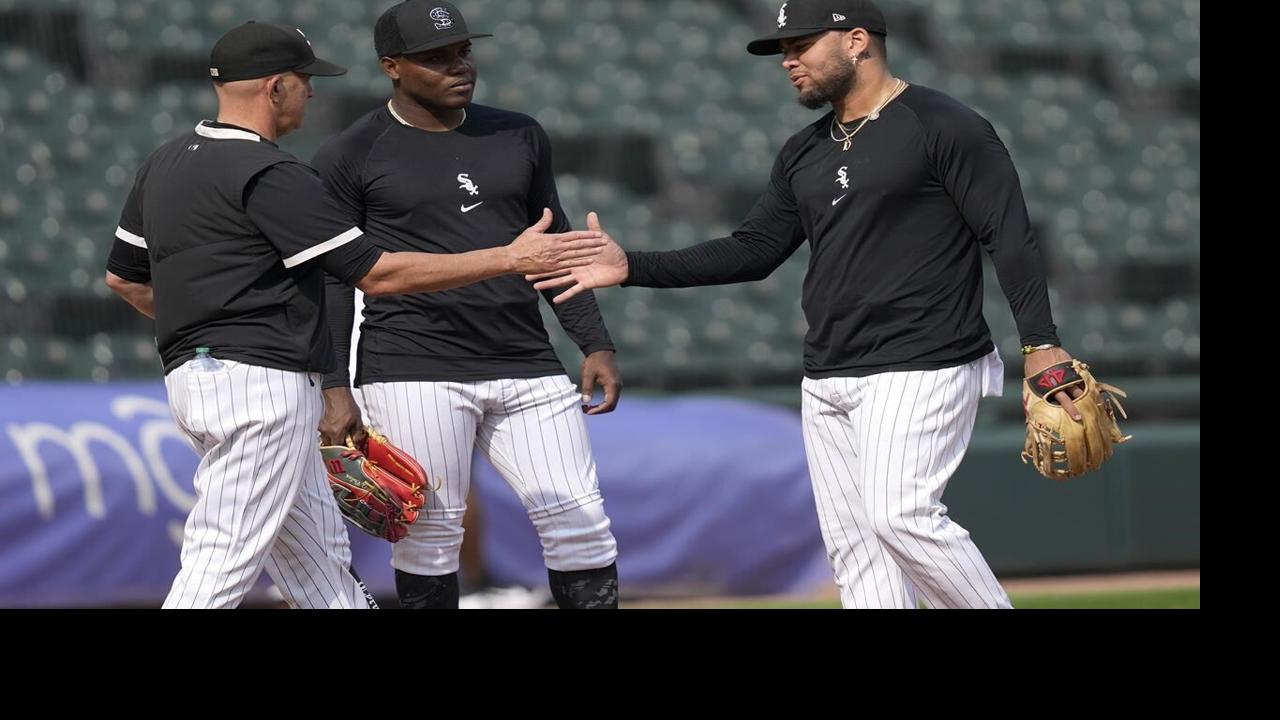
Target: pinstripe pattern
{"x":881,"y":450}
{"x":262,"y":500}
{"x":865,"y":574}
{"x":531,"y":430}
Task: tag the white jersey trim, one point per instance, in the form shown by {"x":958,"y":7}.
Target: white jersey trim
{"x":225,"y":133}
{"x":324,"y":247}
{"x":135,"y":240}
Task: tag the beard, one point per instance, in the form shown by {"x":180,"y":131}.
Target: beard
{"x":840,"y":76}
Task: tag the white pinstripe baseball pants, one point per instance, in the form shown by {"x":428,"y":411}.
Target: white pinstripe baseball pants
{"x":262,"y":499}
{"x":533,"y":433}
{"x":881,"y":450}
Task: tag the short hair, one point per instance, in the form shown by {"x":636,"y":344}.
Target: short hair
{"x":878,"y":46}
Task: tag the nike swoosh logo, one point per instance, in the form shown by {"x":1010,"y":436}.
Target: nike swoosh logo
{"x":837,"y":200}
{"x":467,"y":209}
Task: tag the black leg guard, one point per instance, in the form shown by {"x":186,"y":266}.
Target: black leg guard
{"x":427,"y":592}
{"x":586,"y":589}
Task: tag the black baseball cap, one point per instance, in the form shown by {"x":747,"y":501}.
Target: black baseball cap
{"x":799,"y":18}
{"x":416,"y":26}
{"x":255,"y":50}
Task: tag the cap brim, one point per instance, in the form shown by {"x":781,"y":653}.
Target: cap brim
{"x":444,"y":42}
{"x":772,"y":44}
{"x":323,"y":68}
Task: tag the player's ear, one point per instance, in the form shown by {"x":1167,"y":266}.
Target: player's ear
{"x":275,"y":88}
{"x":858,"y":43}
{"x":391,"y":67}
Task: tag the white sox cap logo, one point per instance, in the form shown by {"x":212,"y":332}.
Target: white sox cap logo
{"x":782,"y":15}
{"x":441,"y":16}
{"x":304,"y":36}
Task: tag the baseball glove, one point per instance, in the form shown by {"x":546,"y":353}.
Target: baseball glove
{"x":379,"y":490}
{"x":1058,"y":446}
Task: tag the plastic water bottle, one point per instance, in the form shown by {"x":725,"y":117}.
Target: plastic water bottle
{"x":205,"y":362}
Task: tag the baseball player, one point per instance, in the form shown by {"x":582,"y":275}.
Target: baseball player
{"x":898,"y":189}
{"x":224,"y":241}
{"x":442,"y":374}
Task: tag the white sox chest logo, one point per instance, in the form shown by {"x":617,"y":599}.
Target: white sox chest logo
{"x":842,"y":179}
{"x":464,"y":183}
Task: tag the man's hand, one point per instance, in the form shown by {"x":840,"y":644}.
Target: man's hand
{"x":1037,"y":361}
{"x":606,"y":269}
{"x":598,"y":369}
{"x":534,"y":251}
{"x":341,"y":418}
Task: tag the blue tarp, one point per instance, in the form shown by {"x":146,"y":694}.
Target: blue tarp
{"x":706,"y":495}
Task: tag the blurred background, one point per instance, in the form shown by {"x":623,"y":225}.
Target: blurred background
{"x":663,"y":123}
